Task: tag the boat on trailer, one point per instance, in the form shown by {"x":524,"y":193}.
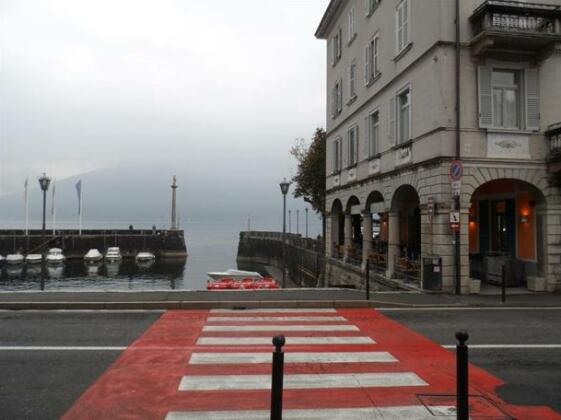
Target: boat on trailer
{"x":248,"y":283}
{"x":55,"y":256}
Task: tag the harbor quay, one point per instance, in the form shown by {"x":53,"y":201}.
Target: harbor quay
{"x":75,"y":244}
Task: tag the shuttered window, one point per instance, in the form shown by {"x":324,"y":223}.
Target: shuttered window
{"x":373,"y":132}
{"x":371,"y":60}
{"x":337,"y":155}
{"x":352,"y":143}
{"x":352,"y":80}
{"x":351,"y":25}
{"x":370,"y":6}
{"x":508,"y":98}
{"x":402,"y":25}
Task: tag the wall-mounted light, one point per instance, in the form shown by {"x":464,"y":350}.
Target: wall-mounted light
{"x":524,"y":215}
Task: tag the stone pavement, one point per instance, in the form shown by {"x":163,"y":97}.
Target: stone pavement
{"x":340,"y":364}
{"x":198,"y":299}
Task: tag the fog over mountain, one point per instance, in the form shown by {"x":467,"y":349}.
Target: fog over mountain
{"x":142,"y":196}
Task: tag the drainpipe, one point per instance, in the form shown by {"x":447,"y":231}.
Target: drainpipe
{"x":457,"y":258}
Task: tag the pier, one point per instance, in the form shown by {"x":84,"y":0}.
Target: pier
{"x":162,"y":243}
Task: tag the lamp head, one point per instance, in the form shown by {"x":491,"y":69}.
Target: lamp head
{"x":44,"y":182}
{"x":284,"y":186}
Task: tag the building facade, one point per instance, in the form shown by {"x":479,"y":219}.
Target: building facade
{"x":394,"y":128}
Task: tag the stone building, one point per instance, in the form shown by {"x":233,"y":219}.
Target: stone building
{"x":393,"y":132}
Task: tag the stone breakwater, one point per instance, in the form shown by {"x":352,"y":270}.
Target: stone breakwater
{"x":163,"y":243}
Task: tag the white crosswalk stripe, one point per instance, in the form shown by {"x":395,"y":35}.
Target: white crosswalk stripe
{"x":276,"y":310}
{"x":280,"y":328}
{"x":300,"y":381}
{"x":246,"y":341}
{"x":419,"y":412}
{"x":290,"y":357}
{"x":274,"y":318}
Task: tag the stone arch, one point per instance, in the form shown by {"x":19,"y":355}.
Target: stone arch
{"x":507,"y":225}
{"x":336,"y":206}
{"x":352,"y":202}
{"x":373,"y":197}
{"x":405,"y":205}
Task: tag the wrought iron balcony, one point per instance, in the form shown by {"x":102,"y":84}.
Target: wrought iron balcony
{"x":553,"y":135}
{"x":514,"y":27}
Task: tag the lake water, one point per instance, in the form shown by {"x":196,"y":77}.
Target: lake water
{"x":212,"y":246}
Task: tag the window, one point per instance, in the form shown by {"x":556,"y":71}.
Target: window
{"x":402,"y":25}
{"x":351,"y":24}
{"x":372,"y":60}
{"x":370,"y":6}
{"x":373,"y":130}
{"x":336,"y":47}
{"x":403,"y":116}
{"x":352,"y":78}
{"x":337,"y":155}
{"x":506,"y":98}
{"x":337,"y":98}
{"x":352,"y":142}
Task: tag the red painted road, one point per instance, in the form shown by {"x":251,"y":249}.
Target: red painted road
{"x":143,"y":382}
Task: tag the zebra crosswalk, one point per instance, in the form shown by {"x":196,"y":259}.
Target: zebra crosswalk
{"x":339,"y":364}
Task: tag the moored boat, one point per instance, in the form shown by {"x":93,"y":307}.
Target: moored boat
{"x":234,"y":274}
{"x":93,"y":255}
{"x":145,"y":256}
{"x":34,"y":258}
{"x":55,"y":256}
{"x":113,"y":254}
{"x":14,"y":258}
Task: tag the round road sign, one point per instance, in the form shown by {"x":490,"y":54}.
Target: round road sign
{"x":456,"y":170}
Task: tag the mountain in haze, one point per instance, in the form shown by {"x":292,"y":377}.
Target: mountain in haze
{"x":143,"y":195}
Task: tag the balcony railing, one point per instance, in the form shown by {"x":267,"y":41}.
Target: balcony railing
{"x":553,"y":134}
{"x":509,"y":21}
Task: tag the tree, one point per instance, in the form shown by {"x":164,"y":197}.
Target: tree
{"x":310,"y":175}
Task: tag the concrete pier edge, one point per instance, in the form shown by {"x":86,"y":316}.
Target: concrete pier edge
{"x":288,"y":298}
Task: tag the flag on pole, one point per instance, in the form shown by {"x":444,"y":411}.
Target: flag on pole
{"x":53,"y":201}
{"x":53,"y":210}
{"x":79,"y":191}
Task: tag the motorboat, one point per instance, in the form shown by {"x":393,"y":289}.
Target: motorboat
{"x":14,"y":258}
{"x":113,"y":254}
{"x":248,"y":283}
{"x":145,"y":256}
{"x":34,"y":258}
{"x":55,"y":256}
{"x":234,"y":274}
{"x":93,"y":255}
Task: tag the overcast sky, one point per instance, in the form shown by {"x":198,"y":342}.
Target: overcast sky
{"x":87,"y":85}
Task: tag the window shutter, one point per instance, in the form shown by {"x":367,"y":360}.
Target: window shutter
{"x":406,"y":22}
{"x":357,"y":144}
{"x":392,"y":123}
{"x":485,"y":74}
{"x":367,"y":64}
{"x":532,"y":100}
{"x":340,"y":97}
{"x":366,"y":148}
{"x":330,"y":50}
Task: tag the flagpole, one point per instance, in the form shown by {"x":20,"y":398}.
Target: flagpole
{"x":26,"y":209}
{"x":54,"y":210}
{"x":81,"y":210}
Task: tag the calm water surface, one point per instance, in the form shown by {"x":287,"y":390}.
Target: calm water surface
{"x":211,"y":247}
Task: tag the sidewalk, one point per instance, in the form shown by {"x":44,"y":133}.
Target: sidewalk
{"x":294,"y":298}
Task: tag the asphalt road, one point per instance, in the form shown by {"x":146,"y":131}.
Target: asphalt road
{"x":43,"y":384}
{"x":532,"y":375}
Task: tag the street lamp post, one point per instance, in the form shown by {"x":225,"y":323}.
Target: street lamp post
{"x":306,"y":222}
{"x":289,"y":221}
{"x":284,"y":186}
{"x":44,"y":182}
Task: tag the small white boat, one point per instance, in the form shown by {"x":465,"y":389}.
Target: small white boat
{"x":55,"y":256}
{"x":14,"y":258}
{"x":113,"y":254}
{"x":145,"y":256}
{"x":234,"y":274}
{"x":93,"y":255}
{"x":34,"y":258}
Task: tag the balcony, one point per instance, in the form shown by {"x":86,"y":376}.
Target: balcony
{"x":507,"y":28}
{"x":553,"y":135}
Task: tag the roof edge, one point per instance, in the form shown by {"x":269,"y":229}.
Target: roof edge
{"x":330,"y":14}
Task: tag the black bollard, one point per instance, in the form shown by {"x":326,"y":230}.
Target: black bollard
{"x":462,"y":402}
{"x":503,"y":285}
{"x":367,"y":280}
{"x":278,"y":372}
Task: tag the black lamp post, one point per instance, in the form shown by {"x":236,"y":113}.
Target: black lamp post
{"x":306,"y":222}
{"x":284,"y":186}
{"x":44,"y":182}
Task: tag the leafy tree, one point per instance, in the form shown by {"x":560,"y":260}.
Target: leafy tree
{"x":310,"y":177}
